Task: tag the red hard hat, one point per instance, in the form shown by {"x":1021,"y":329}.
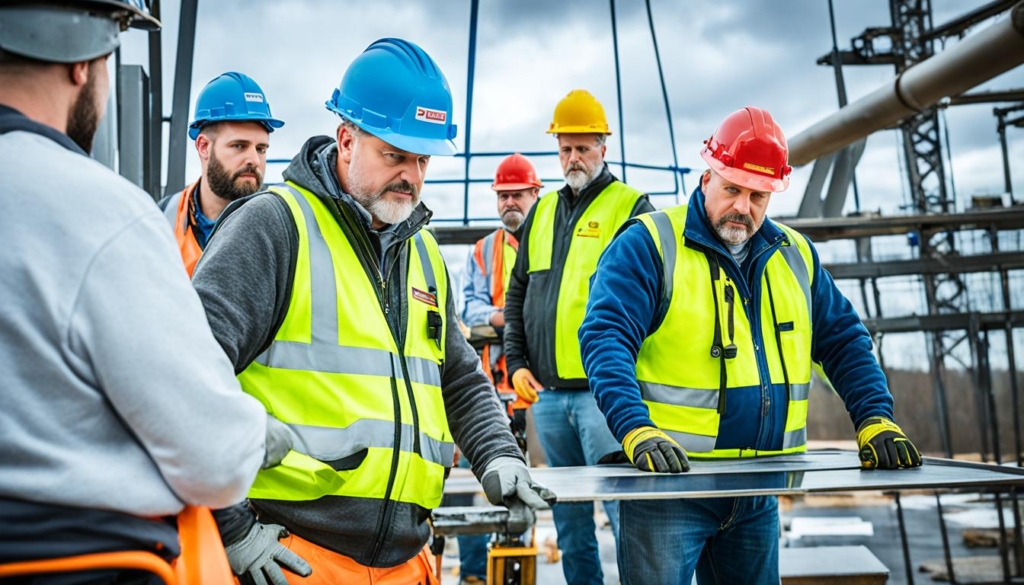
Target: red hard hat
{"x":515,"y":173}
{"x":749,"y":149}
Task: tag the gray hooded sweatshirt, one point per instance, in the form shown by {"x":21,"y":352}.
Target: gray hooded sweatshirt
{"x":244,"y":280}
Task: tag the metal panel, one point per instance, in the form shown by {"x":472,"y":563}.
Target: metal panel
{"x":104,"y":144}
{"x":813,"y":472}
{"x":132,"y":99}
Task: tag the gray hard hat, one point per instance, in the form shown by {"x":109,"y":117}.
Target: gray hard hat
{"x":69,"y":31}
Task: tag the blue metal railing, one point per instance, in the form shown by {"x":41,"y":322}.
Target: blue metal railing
{"x":677,"y":172}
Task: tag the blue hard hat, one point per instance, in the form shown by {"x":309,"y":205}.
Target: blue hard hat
{"x":396,"y":92}
{"x":232,"y":97}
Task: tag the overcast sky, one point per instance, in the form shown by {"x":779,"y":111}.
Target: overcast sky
{"x":718,"y":56}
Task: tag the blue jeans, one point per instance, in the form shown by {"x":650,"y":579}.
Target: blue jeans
{"x":573,"y":432}
{"x":726,"y":540}
{"x":472,"y":549}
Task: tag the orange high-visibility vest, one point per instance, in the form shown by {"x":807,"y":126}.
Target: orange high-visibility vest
{"x":180,"y":211}
{"x":495,"y":255}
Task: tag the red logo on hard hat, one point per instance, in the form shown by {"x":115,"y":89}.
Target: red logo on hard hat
{"x":432,"y":116}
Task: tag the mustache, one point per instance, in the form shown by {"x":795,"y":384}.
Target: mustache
{"x":248,"y":170}
{"x":576,"y":167}
{"x":402,"y":187}
{"x":736,"y":217}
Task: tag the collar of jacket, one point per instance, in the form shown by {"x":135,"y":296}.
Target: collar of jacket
{"x":314,"y":167}
{"x":590,"y":190}
{"x":11,"y":120}
{"x":699,"y":230}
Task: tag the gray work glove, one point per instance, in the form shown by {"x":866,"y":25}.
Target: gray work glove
{"x":507,"y":483}
{"x":279,"y":441}
{"x":257,"y":559}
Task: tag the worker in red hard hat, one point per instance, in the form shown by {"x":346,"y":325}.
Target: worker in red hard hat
{"x":745,"y":304}
{"x":488,"y":269}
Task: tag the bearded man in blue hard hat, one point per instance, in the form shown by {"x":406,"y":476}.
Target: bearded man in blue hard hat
{"x":232,"y":134}
{"x":337,"y":310}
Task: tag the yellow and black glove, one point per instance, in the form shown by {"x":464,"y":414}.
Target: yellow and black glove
{"x":649,"y":449}
{"x":884,"y":446}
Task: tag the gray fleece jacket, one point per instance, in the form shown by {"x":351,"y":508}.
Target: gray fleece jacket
{"x":244,"y":280}
{"x":115,"y":395}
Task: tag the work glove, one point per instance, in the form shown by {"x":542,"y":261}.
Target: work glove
{"x":258,"y":557}
{"x":507,"y":483}
{"x":884,"y":446}
{"x":649,"y":449}
{"x":279,"y":441}
{"x":526,"y":385}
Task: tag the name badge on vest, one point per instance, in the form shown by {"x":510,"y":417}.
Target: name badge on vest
{"x":424,"y":297}
{"x":593,"y":230}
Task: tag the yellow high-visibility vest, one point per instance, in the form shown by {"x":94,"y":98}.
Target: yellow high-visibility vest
{"x":680,"y":378}
{"x":335,"y":374}
{"x":590,"y":236}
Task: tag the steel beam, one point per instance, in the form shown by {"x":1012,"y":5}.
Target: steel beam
{"x":961,"y":23}
{"x":994,"y":262}
{"x":987,"y":97}
{"x":945,"y":322}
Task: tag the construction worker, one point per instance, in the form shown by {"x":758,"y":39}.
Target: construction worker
{"x":703,"y":324}
{"x":232,"y":134}
{"x":101,"y":431}
{"x":335,"y":307}
{"x":563,"y":237}
{"x":488,"y":269}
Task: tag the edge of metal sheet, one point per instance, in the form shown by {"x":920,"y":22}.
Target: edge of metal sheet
{"x":812,"y":472}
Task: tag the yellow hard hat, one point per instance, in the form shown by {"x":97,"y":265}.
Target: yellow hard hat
{"x":579,"y":113}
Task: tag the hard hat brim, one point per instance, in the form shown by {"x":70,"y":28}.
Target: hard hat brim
{"x":577,"y":130}
{"x":515,"y":186}
{"x":745,"y":178}
{"x":270,"y":124}
{"x":415,"y":145}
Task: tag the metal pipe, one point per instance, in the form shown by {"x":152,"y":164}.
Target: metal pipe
{"x":176,"y":149}
{"x":618,"y":88}
{"x":1007,"y":181}
{"x":474,"y":11}
{"x":974,"y":60}
{"x":903,"y":540}
{"x":664,"y":96}
{"x":945,"y":540}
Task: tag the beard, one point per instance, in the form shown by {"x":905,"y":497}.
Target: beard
{"x":226,"y":184}
{"x":384,"y":210}
{"x":512,"y":218}
{"x":735,"y":236}
{"x":578,"y":176}
{"x":84,"y":118}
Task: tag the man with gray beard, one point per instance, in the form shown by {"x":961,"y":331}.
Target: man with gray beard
{"x":561,"y":241}
{"x":336,"y":308}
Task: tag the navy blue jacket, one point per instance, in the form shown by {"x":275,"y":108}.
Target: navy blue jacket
{"x":625,"y":307}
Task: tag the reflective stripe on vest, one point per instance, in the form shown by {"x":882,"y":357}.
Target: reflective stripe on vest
{"x":684,"y":400}
{"x":335,"y":375}
{"x":591,"y":234}
{"x":177,"y":213}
